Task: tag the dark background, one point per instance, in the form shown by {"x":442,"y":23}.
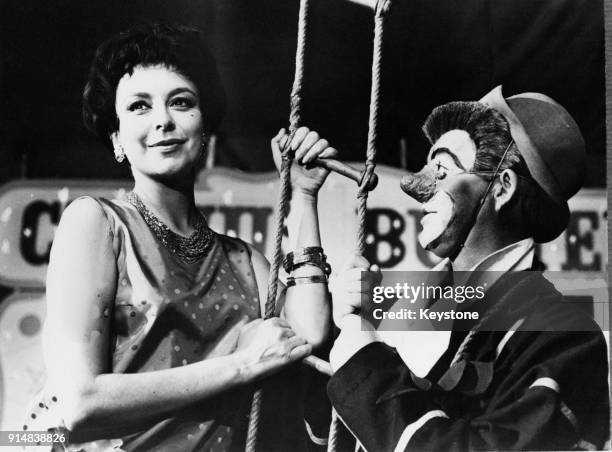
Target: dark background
{"x":436,"y":51}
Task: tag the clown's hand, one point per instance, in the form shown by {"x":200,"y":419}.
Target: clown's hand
{"x":352,"y":288}
{"x":308,"y":146}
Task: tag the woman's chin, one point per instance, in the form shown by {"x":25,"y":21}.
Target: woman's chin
{"x":171,"y":174}
{"x":172,"y":167}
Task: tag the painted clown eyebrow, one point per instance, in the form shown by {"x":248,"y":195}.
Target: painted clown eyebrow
{"x":450,"y":154}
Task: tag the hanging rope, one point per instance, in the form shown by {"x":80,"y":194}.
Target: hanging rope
{"x":366,"y":184}
{"x":382,"y":7}
{"x":283,"y":204}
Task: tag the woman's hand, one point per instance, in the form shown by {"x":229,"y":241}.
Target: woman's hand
{"x":352,"y":288}
{"x":264,"y":346}
{"x":308,"y":146}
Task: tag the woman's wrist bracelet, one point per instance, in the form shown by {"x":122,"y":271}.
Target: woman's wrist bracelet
{"x":294,"y":280}
{"x":311,"y":255}
{"x":324,"y":266}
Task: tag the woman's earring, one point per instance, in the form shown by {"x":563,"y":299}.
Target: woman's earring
{"x":119,"y":153}
{"x":203,"y":146}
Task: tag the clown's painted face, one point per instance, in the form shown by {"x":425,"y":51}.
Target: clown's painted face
{"x":450,"y":193}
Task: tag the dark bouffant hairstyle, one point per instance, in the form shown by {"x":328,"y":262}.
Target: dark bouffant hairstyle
{"x":532,"y":212}
{"x":177,"y":47}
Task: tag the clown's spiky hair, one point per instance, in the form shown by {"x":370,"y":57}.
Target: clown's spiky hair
{"x":487,"y":128}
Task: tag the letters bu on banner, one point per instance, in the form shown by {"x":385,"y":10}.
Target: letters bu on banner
{"x":242,"y":205}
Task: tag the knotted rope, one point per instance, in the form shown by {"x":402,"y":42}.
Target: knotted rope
{"x":382,"y":7}
{"x":283,"y":204}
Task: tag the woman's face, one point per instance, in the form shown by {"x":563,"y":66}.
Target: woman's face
{"x":160,"y":122}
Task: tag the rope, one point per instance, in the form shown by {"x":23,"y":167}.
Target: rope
{"x":382,"y":7}
{"x":251,"y":441}
{"x":295,"y":116}
{"x":333,"y":432}
{"x":283,"y":205}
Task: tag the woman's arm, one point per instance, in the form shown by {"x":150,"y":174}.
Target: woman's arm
{"x":305,"y":306}
{"x":94,"y":402}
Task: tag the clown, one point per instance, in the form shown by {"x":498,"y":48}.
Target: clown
{"x":531,"y":372}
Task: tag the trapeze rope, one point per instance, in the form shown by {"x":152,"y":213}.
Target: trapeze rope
{"x":366,"y":180}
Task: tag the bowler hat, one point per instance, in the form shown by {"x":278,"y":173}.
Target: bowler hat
{"x":548,"y":138}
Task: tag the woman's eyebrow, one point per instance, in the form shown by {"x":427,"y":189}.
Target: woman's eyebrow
{"x":181,"y":90}
{"x":450,"y":154}
{"x":142,"y":94}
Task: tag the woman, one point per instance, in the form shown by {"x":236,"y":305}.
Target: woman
{"x":151,"y":339}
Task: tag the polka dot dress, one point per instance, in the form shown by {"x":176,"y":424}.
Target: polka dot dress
{"x":169,"y":314}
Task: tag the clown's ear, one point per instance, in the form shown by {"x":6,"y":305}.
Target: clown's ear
{"x":505,"y":189}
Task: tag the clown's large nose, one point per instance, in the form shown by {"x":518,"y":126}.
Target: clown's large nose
{"x":420,"y":186}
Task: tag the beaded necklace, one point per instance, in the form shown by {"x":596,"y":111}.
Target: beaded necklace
{"x":187,"y":249}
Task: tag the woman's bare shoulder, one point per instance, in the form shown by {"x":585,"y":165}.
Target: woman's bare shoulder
{"x":85,"y":210}
{"x":83,"y":220}
{"x":82,"y":238}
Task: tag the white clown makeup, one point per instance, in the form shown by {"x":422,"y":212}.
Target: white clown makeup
{"x":451,"y":155}
{"x":452,"y":194}
{"x":438,"y":213}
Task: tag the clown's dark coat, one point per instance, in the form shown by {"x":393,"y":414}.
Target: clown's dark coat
{"x":547,"y":389}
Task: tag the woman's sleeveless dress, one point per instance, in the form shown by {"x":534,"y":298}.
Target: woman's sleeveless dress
{"x":168,"y":314}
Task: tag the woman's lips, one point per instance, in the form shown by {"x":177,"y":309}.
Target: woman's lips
{"x":167,"y":145}
{"x":167,"y":142}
